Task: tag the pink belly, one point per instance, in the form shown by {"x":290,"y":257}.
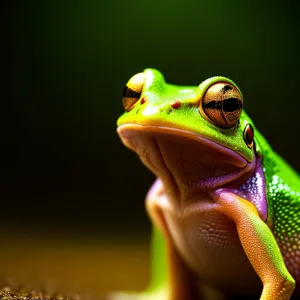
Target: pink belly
{"x":210,"y":246}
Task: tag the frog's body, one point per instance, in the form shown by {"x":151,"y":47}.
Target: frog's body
{"x":225,"y":207}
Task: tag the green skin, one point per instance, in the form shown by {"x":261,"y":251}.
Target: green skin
{"x":266,"y":249}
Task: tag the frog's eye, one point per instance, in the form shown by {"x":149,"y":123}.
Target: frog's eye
{"x":133,"y":90}
{"x":249,"y":135}
{"x":222,"y":104}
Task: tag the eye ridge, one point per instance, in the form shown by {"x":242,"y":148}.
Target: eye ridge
{"x":130,"y":93}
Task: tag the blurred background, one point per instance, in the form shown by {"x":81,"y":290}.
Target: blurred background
{"x":72,"y":196}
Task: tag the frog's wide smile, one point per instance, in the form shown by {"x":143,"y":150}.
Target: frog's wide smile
{"x":189,"y":160}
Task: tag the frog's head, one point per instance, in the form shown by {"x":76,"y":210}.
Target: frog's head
{"x":190,"y":137}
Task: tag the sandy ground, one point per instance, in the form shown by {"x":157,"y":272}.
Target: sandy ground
{"x":88,"y":267}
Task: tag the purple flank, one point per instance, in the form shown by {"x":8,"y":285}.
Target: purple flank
{"x":254,"y":190}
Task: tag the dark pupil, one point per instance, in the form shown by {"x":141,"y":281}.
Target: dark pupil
{"x":231,"y":104}
{"x":215,"y":104}
{"x":129,"y":93}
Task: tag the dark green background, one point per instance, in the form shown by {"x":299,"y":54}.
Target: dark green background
{"x":64,"y":65}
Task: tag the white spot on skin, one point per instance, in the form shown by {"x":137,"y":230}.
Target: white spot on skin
{"x":150,"y":110}
{"x":185,"y":91}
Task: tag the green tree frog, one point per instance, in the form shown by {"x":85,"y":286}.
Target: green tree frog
{"x":225,"y":207}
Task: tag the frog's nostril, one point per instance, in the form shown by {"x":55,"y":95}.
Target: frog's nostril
{"x":176,"y":104}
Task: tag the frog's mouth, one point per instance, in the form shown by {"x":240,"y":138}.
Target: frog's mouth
{"x":186,"y":161}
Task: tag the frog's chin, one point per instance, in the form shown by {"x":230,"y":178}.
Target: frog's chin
{"x":184,"y":160}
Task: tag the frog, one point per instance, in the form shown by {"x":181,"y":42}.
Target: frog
{"x":225,"y":206}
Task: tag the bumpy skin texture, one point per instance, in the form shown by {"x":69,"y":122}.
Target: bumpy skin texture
{"x":283,"y":194}
{"x":225,"y":208}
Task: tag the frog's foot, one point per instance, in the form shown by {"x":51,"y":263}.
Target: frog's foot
{"x":147,"y":295}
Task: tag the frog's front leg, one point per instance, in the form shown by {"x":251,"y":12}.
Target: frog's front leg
{"x":177,"y":281}
{"x":170,"y":277}
{"x":259,"y":244}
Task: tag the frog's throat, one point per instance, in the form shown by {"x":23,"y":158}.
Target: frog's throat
{"x":185,"y":161}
